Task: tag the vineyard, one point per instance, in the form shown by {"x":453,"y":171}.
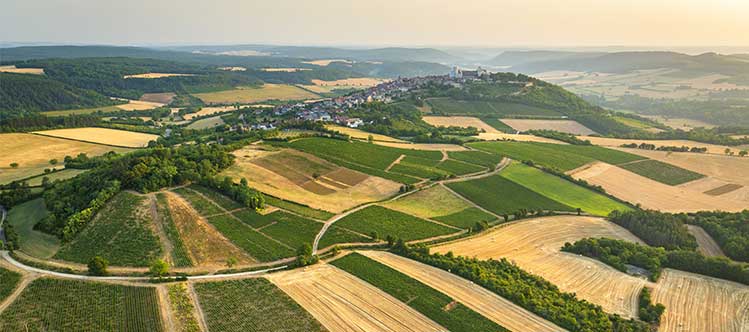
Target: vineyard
{"x":61,"y":305}
{"x":183,"y":308}
{"x":8,"y":282}
{"x":385,"y":222}
{"x":253,"y":305}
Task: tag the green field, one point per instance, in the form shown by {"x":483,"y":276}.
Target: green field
{"x":496,"y":109}
{"x":183,"y":308}
{"x":502,"y":196}
{"x":561,"y":190}
{"x":204,"y":206}
{"x":497,"y":124}
{"x":250,"y":240}
{"x":55,"y":176}
{"x":366,"y":154}
{"x":180,"y":257}
{"x":291,"y":230}
{"x":439,"y":307}
{"x":23,"y":217}
{"x":482,"y":158}
{"x":388,"y":222}
{"x":254,"y":305}
{"x":662,"y":172}
{"x":466,"y":218}
{"x":459,"y":167}
{"x":558,"y":156}
{"x":336,"y":235}
{"x":419,"y":167}
{"x":64,"y":305}
{"x":121,"y":233}
{"x":8,"y":282}
{"x":221,"y":200}
{"x":298,"y":208}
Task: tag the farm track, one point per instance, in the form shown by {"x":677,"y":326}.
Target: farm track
{"x":25,"y":281}
{"x":344,"y":303}
{"x":706,"y":244}
{"x":486,"y":303}
{"x":165,"y":308}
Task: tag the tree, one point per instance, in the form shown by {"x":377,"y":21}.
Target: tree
{"x":579,"y":211}
{"x":743,"y":153}
{"x":53,"y":162}
{"x":159,"y":268}
{"x":727,"y":151}
{"x":370,"y":139}
{"x":305,"y":256}
{"x":374,"y":235}
{"x":13,"y":165}
{"x":230,"y":262}
{"x":335,"y":251}
{"x":97,"y":266}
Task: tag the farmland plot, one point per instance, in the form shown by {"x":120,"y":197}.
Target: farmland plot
{"x":459,"y":121}
{"x":343,"y":303}
{"x":63,"y":305}
{"x":502,"y":196}
{"x":248,"y":95}
{"x":23,"y":217}
{"x":386,"y":222}
{"x":699,"y":303}
{"x":182,"y":308}
{"x":565,"y":126}
{"x":534,"y":245}
{"x":106,"y":136}
{"x":254,"y":305}
{"x":33,"y":152}
{"x":363,"y":135}
{"x":8,"y":281}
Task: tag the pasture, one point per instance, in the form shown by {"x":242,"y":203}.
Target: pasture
{"x":565,"y":126}
{"x":248,"y":95}
{"x":502,"y":196}
{"x":534,"y":245}
{"x":442,"y":309}
{"x":306,"y":179}
{"x":113,"y":137}
{"x":561,"y":190}
{"x":344,"y":303}
{"x":32,"y":153}
{"x":484,"y":302}
{"x":385,"y":222}
{"x":226,"y":307}
{"x":65,"y":305}
{"x":23,"y":217}
{"x":122,"y":233}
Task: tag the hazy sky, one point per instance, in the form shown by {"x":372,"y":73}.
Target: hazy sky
{"x":379,"y":22}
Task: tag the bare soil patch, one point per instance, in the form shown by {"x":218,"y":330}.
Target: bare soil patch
{"x":163,"y":98}
{"x":343,"y":303}
{"x":534,"y":244}
{"x":486,"y":303}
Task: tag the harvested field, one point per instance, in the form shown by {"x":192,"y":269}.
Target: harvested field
{"x":162,"y":98}
{"x":433,"y":202}
{"x":247,"y":95}
{"x":156,"y":75}
{"x":106,"y":136}
{"x":284,"y":70}
{"x":459,"y":121}
{"x":325,"y":62}
{"x":486,"y":303}
{"x":209,"y":111}
{"x":205,"y":245}
{"x":358,"y":82}
{"x":724,"y":189}
{"x":343,"y":303}
{"x":681,"y":123}
{"x":649,"y":193}
{"x":699,"y":303}
{"x":139,"y":105}
{"x":618,"y":142}
{"x":14,"y":70}
{"x":707,"y":246}
{"x":565,"y":126}
{"x":516,"y":137}
{"x":361,"y":134}
{"x":722,"y":167}
{"x":290,"y":175}
{"x":33,"y":152}
{"x":423,"y":146}
{"x":534,"y":244}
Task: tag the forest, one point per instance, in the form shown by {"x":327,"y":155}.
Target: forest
{"x":656,"y":228}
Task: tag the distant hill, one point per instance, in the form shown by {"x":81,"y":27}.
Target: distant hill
{"x":620,"y":62}
{"x":19,"y":92}
{"x":514,"y":58}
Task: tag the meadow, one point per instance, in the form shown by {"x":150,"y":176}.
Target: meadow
{"x":64,"y":305}
{"x":121,"y":233}
{"x":226,"y":307}
{"x":23,"y":217}
{"x":439,"y":307}
{"x":248,"y":95}
{"x":502,"y":196}
{"x":385,"y":222}
{"x":561,"y":190}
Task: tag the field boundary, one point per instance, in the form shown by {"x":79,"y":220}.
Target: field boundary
{"x":89,"y":142}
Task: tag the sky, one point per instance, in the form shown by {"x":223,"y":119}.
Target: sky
{"x":497,"y":23}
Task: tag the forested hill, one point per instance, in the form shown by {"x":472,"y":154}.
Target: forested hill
{"x":23,"y":92}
